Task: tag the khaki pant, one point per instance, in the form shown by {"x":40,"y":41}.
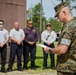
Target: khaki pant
{"x":65,"y":73}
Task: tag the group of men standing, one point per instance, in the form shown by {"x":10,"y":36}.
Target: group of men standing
{"x":25,"y":39}
{"x":17,"y":37}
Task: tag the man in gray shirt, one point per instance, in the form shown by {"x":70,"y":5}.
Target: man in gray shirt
{"x":17,"y":36}
{"x":48,"y":37}
{"x":3,"y":48}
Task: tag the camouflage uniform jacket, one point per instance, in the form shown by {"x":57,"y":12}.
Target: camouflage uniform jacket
{"x":67,"y":62}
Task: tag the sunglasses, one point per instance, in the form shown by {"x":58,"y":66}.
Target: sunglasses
{"x":48,"y":26}
{"x":30,"y":23}
{"x":1,"y":24}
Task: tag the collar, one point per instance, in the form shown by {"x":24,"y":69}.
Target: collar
{"x":30,"y":28}
{"x":17,"y":29}
{"x":1,"y":29}
{"x":48,"y":31}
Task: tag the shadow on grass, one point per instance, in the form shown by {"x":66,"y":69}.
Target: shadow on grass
{"x":39,"y":57}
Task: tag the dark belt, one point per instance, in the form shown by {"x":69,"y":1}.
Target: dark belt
{"x":47,"y":44}
{"x":13,"y":43}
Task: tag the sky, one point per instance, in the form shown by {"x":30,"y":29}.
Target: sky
{"x":48,"y":7}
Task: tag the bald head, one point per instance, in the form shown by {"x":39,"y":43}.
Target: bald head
{"x":67,"y":13}
{"x":16,"y":25}
{"x":66,"y":9}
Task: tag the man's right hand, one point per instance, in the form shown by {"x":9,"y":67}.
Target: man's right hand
{"x":48,"y":43}
{"x":31,"y":43}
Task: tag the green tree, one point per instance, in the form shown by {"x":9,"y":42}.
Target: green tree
{"x":36,"y":17}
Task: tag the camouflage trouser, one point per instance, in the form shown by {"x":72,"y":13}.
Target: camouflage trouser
{"x":65,"y":73}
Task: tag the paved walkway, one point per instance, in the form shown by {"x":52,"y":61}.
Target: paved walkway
{"x":28,"y":73}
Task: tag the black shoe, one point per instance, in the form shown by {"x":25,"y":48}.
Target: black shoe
{"x":3,"y":71}
{"x":54,"y":68}
{"x":9,"y":69}
{"x":25,"y":68}
{"x":20,"y":69}
{"x":44,"y":68}
{"x":33,"y":68}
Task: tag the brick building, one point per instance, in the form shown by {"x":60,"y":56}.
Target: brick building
{"x":11,"y":11}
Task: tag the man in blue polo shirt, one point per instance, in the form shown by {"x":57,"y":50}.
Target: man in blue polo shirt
{"x":31,"y":37}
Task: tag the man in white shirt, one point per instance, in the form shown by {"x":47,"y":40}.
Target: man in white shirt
{"x":17,"y":36}
{"x":48,"y":37}
{"x":3,"y":47}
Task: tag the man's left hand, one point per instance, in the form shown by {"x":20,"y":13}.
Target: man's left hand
{"x":2,"y":44}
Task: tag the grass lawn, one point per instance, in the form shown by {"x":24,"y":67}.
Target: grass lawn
{"x":39,"y":60}
{"x":39,"y":63}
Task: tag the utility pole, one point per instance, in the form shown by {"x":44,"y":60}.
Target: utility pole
{"x":40,"y":19}
{"x":62,"y":1}
{"x":31,"y":12}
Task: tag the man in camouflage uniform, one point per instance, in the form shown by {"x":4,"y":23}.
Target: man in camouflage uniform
{"x":66,"y":49}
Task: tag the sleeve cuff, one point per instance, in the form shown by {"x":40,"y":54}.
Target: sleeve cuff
{"x":65,"y":41}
